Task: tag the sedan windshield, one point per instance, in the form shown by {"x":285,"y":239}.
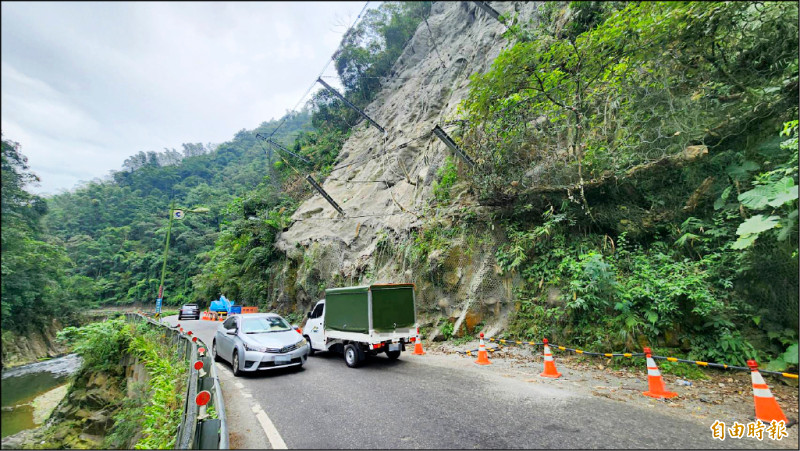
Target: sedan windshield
{"x":262,"y":325}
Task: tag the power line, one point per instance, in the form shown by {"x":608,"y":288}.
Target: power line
{"x":321,"y":72}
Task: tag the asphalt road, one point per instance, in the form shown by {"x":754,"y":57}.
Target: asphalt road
{"x":444,"y":402}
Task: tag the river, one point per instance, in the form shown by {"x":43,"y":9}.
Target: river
{"x":21,"y":386}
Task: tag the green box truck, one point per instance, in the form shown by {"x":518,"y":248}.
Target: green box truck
{"x":358,"y":321}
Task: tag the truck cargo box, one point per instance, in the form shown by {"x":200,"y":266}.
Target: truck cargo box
{"x":382,"y":308}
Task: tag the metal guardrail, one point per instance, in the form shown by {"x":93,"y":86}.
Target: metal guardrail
{"x":196,"y":430}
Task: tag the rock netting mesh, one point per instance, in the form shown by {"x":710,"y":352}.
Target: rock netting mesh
{"x":384,"y":182}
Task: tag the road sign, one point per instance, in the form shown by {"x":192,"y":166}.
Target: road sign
{"x":178,"y":214}
{"x":158,"y":305}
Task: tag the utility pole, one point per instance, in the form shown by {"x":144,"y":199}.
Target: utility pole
{"x":173,"y":214}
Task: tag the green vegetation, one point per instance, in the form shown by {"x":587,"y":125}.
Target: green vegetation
{"x":155,"y":410}
{"x":244,"y":263}
{"x":162,"y":414}
{"x":446,"y":175}
{"x":652,"y":200}
{"x":34,"y":265}
{"x":636,"y":165}
{"x":103,"y":242}
{"x":101,"y":344}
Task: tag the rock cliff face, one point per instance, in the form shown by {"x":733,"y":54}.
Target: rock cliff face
{"x":384,"y":182}
{"x":84,"y":416}
{"x":35,"y":345}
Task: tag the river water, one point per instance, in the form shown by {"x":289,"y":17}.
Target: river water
{"x":23,"y":384}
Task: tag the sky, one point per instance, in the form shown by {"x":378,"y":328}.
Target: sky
{"x":85,"y":85}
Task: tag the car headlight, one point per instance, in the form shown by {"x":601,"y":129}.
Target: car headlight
{"x":301,"y":343}
{"x":248,"y":347}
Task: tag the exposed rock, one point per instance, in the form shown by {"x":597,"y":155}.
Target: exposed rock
{"x":471,"y":320}
{"x":34,"y":345}
{"x":671,"y":338}
{"x":554,"y":297}
{"x":44,"y":404}
{"x":421,"y":94}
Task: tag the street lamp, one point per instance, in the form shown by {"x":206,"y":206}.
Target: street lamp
{"x":174,"y":213}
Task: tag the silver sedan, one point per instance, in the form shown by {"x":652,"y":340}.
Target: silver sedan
{"x":260,"y":341}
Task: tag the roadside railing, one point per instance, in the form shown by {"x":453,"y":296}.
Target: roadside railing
{"x":203,"y":422}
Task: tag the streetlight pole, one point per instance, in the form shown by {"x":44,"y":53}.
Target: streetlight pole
{"x":172,"y":211}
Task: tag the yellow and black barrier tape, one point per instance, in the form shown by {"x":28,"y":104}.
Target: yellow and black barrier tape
{"x":475,"y":351}
{"x":517,"y":342}
{"x":723,"y":366}
{"x":598,"y":354}
{"x":629,"y":355}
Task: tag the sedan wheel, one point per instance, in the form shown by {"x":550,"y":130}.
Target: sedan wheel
{"x":235,"y":364}
{"x":310,"y":348}
{"x":214,"y":351}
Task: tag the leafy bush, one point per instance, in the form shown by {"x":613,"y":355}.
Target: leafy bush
{"x":624,"y":85}
{"x":101,"y":344}
{"x":162,"y":415}
{"x":446,"y":177}
{"x":447,"y":330}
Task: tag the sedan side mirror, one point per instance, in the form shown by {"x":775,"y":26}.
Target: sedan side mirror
{"x":231,"y":332}
{"x":308,"y":314}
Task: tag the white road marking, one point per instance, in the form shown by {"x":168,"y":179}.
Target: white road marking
{"x":272,"y":434}
{"x":238,"y":385}
{"x":247,"y":395}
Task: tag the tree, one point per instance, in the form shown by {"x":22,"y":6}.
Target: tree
{"x":32,"y":269}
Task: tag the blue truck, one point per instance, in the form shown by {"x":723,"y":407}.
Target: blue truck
{"x":223,"y":307}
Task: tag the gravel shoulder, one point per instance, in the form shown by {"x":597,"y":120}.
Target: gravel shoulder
{"x":726,"y":396}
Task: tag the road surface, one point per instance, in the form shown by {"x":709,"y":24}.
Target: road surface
{"x":438,"y":402}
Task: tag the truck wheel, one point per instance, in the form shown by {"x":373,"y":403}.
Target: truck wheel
{"x":310,"y":348}
{"x":393,"y":355}
{"x":353,"y":356}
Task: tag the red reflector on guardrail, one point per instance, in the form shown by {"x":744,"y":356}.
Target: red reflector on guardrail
{"x":198,"y":364}
{"x":194,"y":339}
{"x":190,"y":332}
{"x":202,"y":398}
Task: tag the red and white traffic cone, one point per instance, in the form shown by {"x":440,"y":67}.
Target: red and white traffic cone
{"x":657,"y":388}
{"x":483,"y":356}
{"x":767,"y":408}
{"x":549,"y":364}
{"x":418,"y":345}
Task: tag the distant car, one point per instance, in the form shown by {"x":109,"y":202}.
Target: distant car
{"x":189,"y":311}
{"x":259,"y":341}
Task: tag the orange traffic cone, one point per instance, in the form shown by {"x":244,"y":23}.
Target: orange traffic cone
{"x":418,"y":345}
{"x":767,"y":408}
{"x":549,"y":364}
{"x":657,"y":388}
{"x":483,"y":356}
